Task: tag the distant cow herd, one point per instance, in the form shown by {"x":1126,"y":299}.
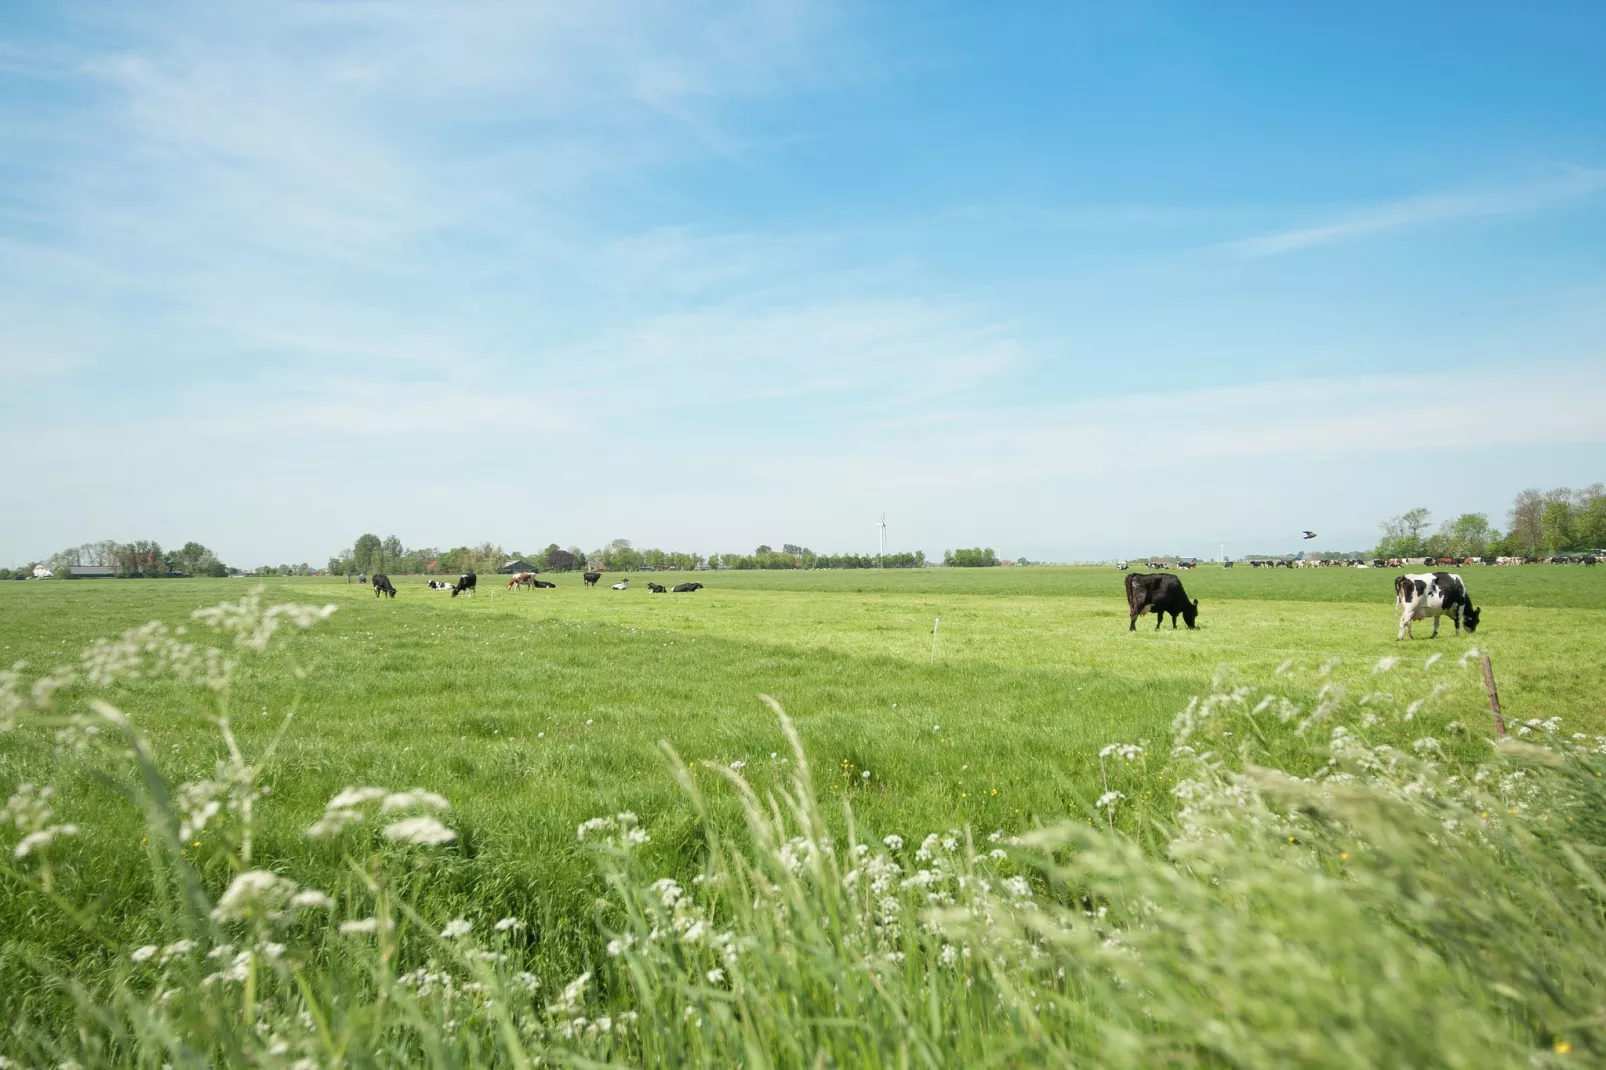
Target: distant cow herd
{"x":468,"y":582}
{"x":1417,"y":596}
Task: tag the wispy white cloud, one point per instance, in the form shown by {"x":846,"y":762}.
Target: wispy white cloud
{"x":1372,"y":220}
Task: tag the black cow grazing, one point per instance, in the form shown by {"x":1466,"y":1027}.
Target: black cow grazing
{"x":656,"y":588}
{"x":1433,"y":594}
{"x":543,"y":583}
{"x":382,"y":585}
{"x":1161,"y":595}
{"x":466,"y":582}
{"x":679,"y":587}
{"x":1590,"y":559}
{"x":591,"y":578}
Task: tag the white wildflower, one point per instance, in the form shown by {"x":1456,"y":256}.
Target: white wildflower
{"x":417,"y":798}
{"x":716,"y":976}
{"x":420,"y":830}
{"x":140,"y":954}
{"x":1109,"y":799}
{"x":177,"y":949}
{"x":257,"y":893}
{"x":359,"y":926}
{"x":311,"y":898}
{"x":894,"y":842}
{"x":457,"y":929}
{"x":509,"y":924}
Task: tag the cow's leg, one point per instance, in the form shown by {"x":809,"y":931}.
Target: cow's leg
{"x":1159,"y":618}
{"x":1405,"y":627}
{"x":1132,"y":625}
{"x":1435,"y":634}
{"x":1173,"y":621}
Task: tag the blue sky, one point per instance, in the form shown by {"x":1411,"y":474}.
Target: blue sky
{"x":1072,"y":281}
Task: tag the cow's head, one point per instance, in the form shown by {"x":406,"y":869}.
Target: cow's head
{"x":1469,"y":618}
{"x":1190,"y":613}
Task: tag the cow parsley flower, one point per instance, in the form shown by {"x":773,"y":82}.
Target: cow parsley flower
{"x":457,"y":929}
{"x":1109,"y":798}
{"x":509,"y":925}
{"x":894,"y":842}
{"x":420,"y":830}
{"x":359,"y":926}
{"x":140,"y":954}
{"x":256,"y":893}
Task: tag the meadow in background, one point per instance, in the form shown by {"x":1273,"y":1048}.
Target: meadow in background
{"x":1086,"y":892}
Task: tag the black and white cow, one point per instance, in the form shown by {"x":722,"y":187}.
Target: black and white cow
{"x":622,"y":585}
{"x":656,"y":588}
{"x":1433,"y":594}
{"x":1161,"y":595}
{"x":466,"y":582}
{"x":681,"y":588}
{"x":591,"y":578}
{"x":543,"y":583}
{"x":382,"y":585}
{"x":439,"y":585}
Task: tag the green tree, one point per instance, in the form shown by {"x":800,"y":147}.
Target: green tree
{"x":391,"y":553}
{"x":1527,"y":521}
{"x":1469,"y":534}
{"x":364,"y":552}
{"x":1589,"y":524}
{"x":1402,"y":535}
{"x":1557,"y":524}
{"x":975,"y":557}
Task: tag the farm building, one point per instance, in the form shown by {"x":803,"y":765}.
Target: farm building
{"x":520,"y":565}
{"x":79,"y":572}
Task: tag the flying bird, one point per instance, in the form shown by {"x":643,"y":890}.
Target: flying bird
{"x":1310,"y":534}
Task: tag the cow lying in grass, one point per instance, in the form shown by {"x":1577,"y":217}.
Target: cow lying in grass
{"x":541,"y":583}
{"x":382,"y":585}
{"x":656,"y":588}
{"x":679,"y":587}
{"x":622,"y":585}
{"x":1433,"y":594}
{"x":466,"y":582}
{"x":439,"y":585}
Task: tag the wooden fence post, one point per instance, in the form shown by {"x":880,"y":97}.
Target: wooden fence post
{"x":1494,"y":697}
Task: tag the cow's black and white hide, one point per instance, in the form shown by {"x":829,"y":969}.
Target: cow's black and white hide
{"x":1433,"y":594}
{"x":656,"y":588}
{"x":382,"y":585}
{"x":622,"y":585}
{"x":543,"y":583}
{"x":466,"y":582}
{"x":681,"y":588}
{"x":1160,"y":595}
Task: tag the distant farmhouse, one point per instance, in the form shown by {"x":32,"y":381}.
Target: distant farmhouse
{"x":520,"y":565}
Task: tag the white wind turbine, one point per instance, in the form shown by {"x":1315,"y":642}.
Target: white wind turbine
{"x":883,"y":526}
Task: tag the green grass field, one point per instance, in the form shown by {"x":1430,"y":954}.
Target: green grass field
{"x":533,"y":711}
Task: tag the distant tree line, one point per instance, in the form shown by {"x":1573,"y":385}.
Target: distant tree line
{"x":143,"y":558}
{"x":975,"y":557}
{"x":1539,"y":522}
{"x":370,"y":554}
